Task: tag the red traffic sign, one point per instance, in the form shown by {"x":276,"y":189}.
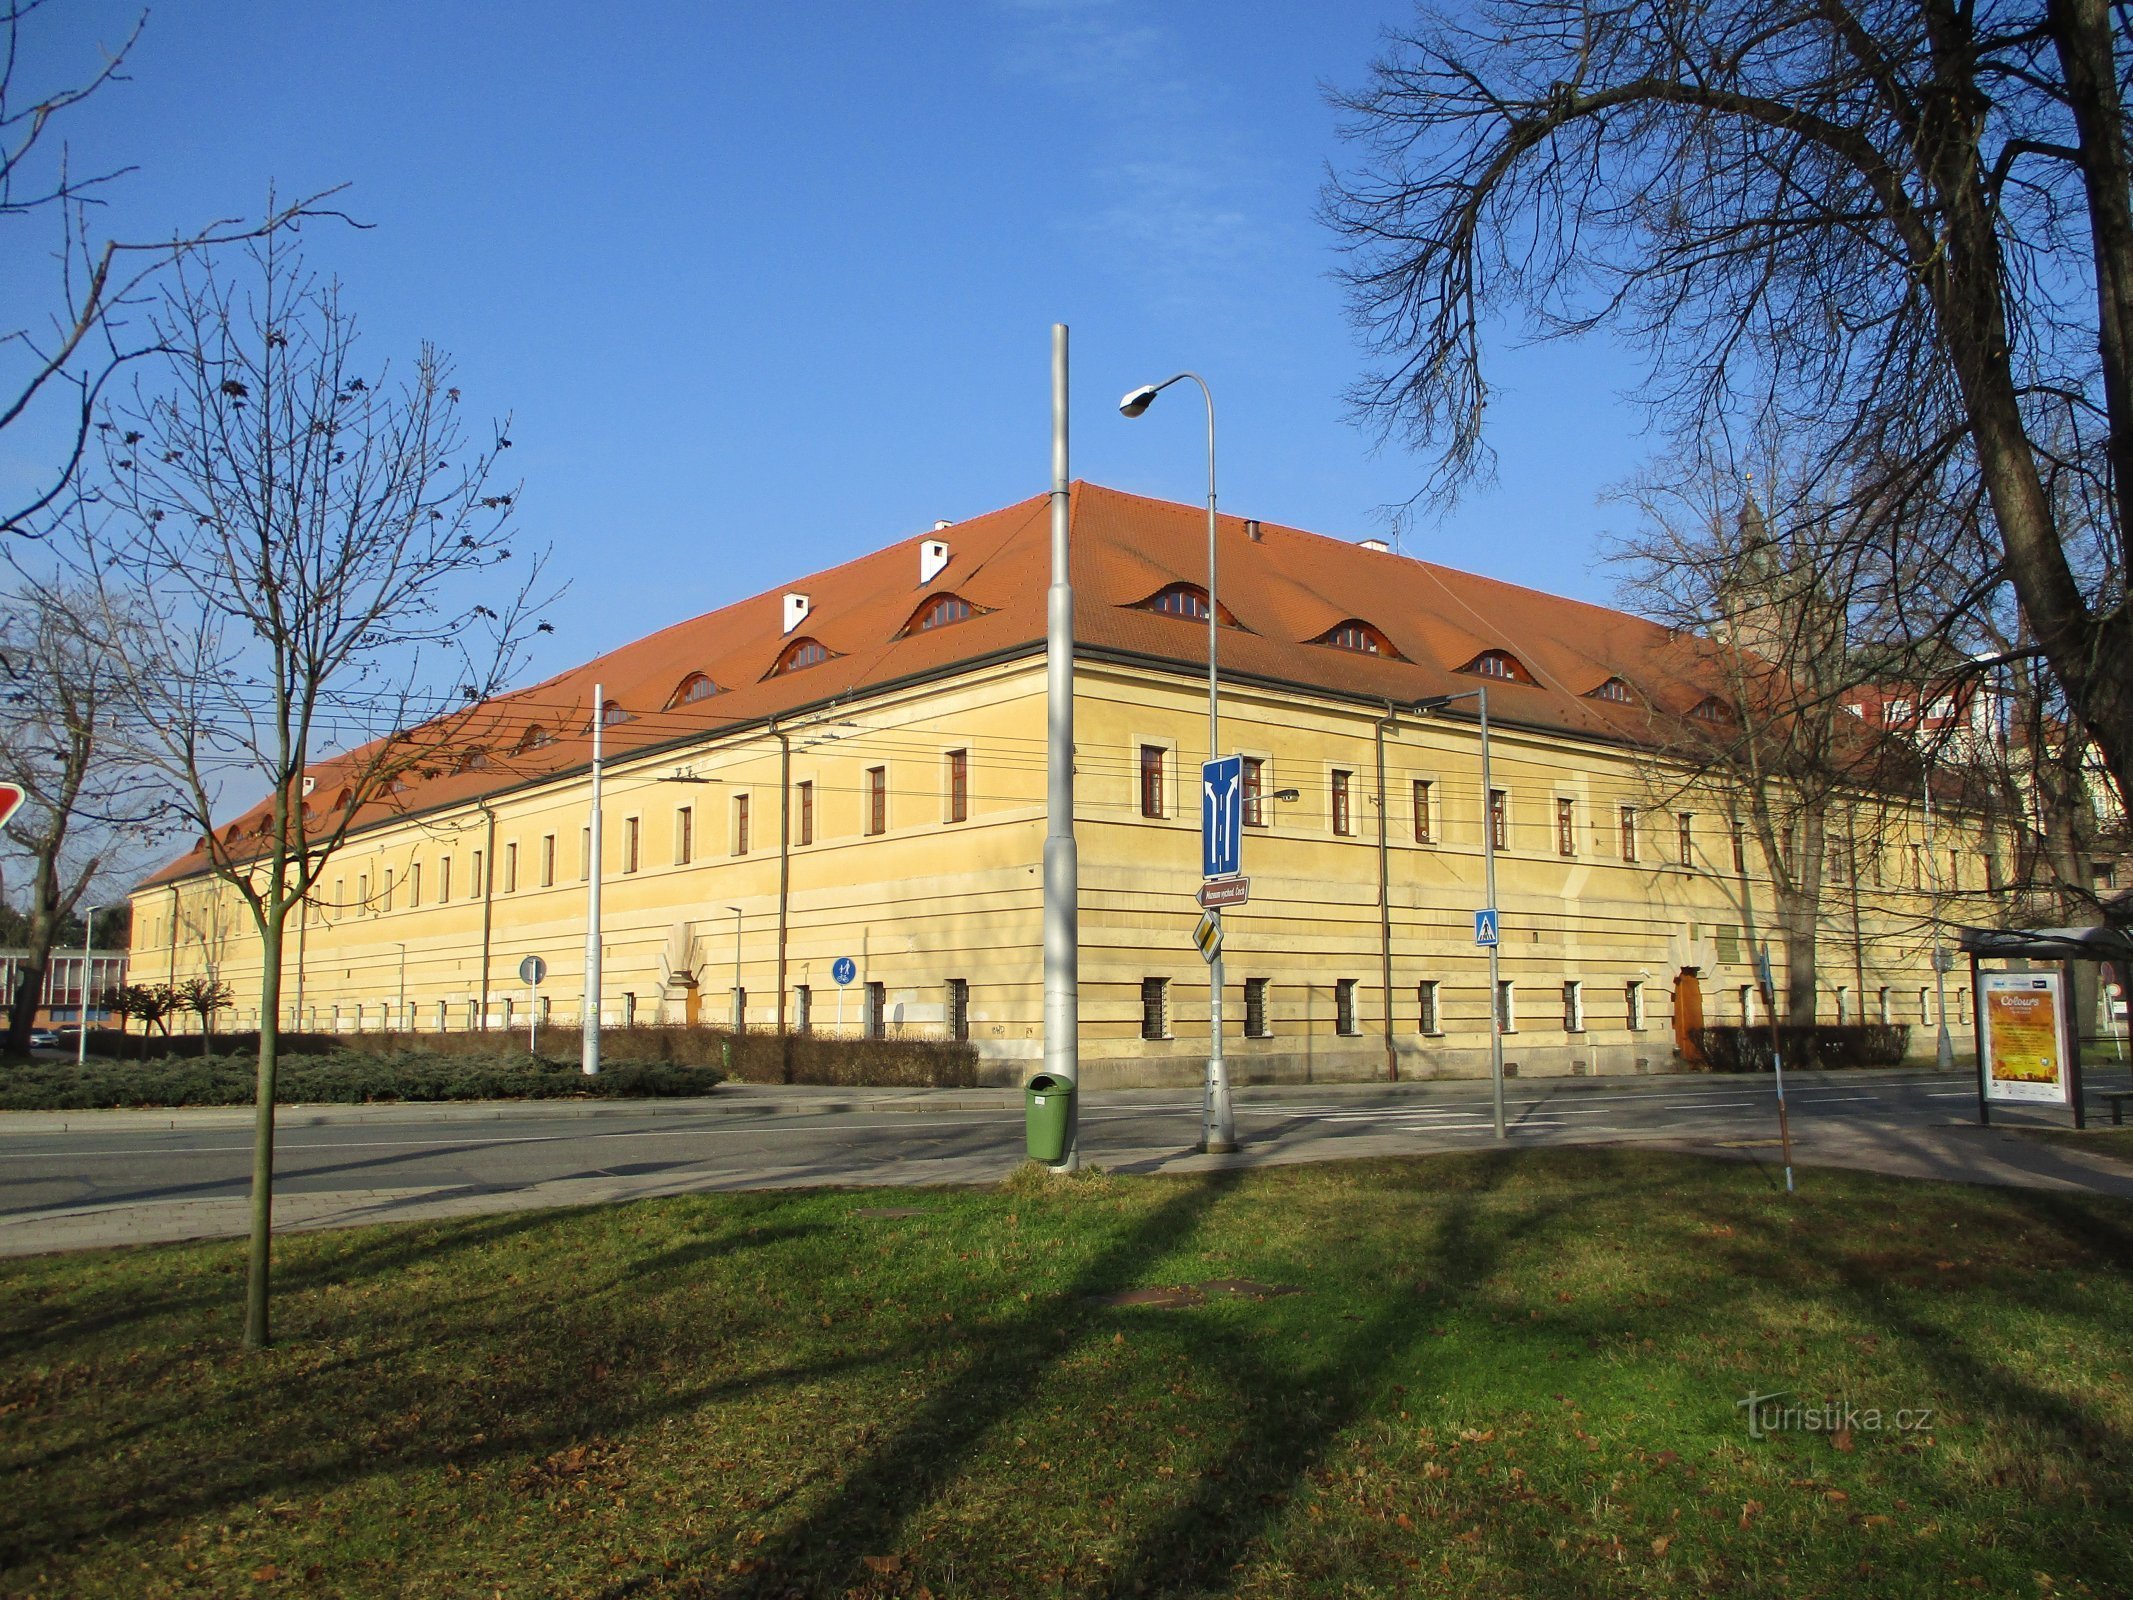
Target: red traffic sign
{"x":1224,"y":892}
{"x":11,"y":798}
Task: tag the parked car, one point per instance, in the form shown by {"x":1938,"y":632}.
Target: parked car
{"x":43,"y":1039}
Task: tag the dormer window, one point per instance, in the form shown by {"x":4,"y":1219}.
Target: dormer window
{"x":1358,"y":635}
{"x":534,"y":738}
{"x":1616,"y":690}
{"x":941,"y":611}
{"x":474,"y":760}
{"x":800,"y":655}
{"x":696,"y":686}
{"x":1498,"y":664}
{"x":1186,"y":600}
{"x":1711,"y":709}
{"x":611,"y":712}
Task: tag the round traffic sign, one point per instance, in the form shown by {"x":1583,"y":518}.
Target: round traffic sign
{"x":845,"y":969}
{"x":532,"y":970}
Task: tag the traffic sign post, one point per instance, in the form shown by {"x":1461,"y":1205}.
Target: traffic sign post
{"x":844,"y":969}
{"x":532,"y":970}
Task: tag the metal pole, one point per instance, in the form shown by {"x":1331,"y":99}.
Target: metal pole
{"x":1945,"y":1054}
{"x":590,"y":1022}
{"x":1777,"y":1066}
{"x":739,"y":1017}
{"x":1062,"y":867}
{"x":1218,"y":1122}
{"x":1488,"y":865}
{"x":533,"y":1019}
{"x":88,"y":947}
{"x":1392,"y":1058}
{"x":403,"y":984}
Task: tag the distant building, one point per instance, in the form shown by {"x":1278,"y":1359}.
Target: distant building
{"x":853,"y":766}
{"x":62,"y":993}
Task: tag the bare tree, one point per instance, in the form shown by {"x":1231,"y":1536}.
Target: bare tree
{"x":319,"y":543}
{"x":56,"y":358}
{"x":1901,"y":230}
{"x":205,"y":998}
{"x":1777,"y":616}
{"x":92,"y":808}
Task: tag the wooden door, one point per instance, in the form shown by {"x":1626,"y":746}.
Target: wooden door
{"x":1688,"y":1016}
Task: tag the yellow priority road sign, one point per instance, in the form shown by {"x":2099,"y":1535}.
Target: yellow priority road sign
{"x":1208,"y":936}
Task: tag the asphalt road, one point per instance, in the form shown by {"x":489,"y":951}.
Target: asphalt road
{"x":115,"y":1177}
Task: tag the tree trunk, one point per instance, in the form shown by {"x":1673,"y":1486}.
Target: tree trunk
{"x":260,"y":1262}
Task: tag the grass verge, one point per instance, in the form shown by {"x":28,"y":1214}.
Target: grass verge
{"x":1503,"y":1375}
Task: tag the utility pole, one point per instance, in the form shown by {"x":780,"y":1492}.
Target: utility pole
{"x":591,"y":1019}
{"x":1062,"y":866}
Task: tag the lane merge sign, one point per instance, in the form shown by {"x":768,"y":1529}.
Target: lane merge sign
{"x":1224,"y":892}
{"x":1485,"y":927}
{"x":1222,"y":817}
{"x":1207,"y":936}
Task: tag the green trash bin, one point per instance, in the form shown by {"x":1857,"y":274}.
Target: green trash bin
{"x":1048,"y":1106}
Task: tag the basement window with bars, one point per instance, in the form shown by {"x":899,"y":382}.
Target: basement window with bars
{"x":1256,"y":1025}
{"x":958,"y":1005}
{"x":1155,"y":1008}
{"x":1344,"y":1006}
{"x":1426,"y":1020}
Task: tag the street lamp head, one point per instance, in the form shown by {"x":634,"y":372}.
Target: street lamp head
{"x":1288,"y":794}
{"x":1139,"y":400}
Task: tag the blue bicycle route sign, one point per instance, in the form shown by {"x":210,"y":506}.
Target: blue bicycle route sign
{"x":844,"y":970}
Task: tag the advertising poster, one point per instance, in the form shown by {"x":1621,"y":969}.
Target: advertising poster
{"x":2025,"y":1038}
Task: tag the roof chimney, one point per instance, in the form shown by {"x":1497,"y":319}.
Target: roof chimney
{"x":940,"y":523}
{"x":796,"y":608}
{"x":1251,"y":529}
{"x":1378,"y":545}
{"x":932,"y":557}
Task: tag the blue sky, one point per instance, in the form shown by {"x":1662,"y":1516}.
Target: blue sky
{"x":768,"y":286}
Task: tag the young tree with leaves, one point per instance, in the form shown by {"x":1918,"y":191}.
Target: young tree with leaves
{"x":328,"y":559}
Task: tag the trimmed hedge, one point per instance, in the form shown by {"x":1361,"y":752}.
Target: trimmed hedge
{"x":1855,"y":1044}
{"x":355,"y":1069}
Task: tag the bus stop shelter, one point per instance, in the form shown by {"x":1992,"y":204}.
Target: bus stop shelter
{"x":2060,"y":947}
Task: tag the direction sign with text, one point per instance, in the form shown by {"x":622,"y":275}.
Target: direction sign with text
{"x":1224,"y":892}
{"x":1222,"y":817}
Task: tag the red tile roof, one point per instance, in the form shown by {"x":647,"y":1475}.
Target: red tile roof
{"x":1284,"y":588}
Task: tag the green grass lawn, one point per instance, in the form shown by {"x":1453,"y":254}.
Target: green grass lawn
{"x":1504,"y":1375}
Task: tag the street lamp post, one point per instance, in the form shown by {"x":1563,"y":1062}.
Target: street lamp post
{"x":739,"y":1019}
{"x":403,"y":985}
{"x":1218,"y":1123}
{"x":1488,"y":858}
{"x":1062,"y":863}
{"x":88,"y":948}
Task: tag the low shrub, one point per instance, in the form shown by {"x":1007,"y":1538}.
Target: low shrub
{"x":1853,"y":1044}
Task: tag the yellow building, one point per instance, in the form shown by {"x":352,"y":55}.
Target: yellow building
{"x":854,"y":767}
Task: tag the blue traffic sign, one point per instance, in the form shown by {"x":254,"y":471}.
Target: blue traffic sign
{"x":844,"y":969}
{"x":1485,"y":926}
{"x":1222,"y":817}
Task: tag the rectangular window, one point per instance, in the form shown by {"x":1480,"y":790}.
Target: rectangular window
{"x":1426,"y":1007}
{"x":1424,"y":832}
{"x":740,"y":824}
{"x":1633,"y":1003}
{"x":1954,"y":884}
{"x":1499,"y":820}
{"x":877,"y":1010}
{"x":1887,"y":1007}
{"x":1152,"y":780}
{"x":444,"y":880}
{"x":1255,"y":1018}
{"x":387,"y":900}
{"x":1684,"y":834}
{"x":547,"y":860}
{"x":1844,"y":1005}
{"x":684,"y":835}
{"x":1566,"y":827}
{"x":1925,"y":1006}
{"x":1155,"y":1008}
{"x":1629,"y":833}
{"x":1343,"y":804}
{"x":807,"y":812}
{"x":629,"y":1009}
{"x":632,"y":839}
{"x":1740,"y":849}
{"x":474,"y":880}
{"x":958,"y":793}
{"x":363,"y":891}
{"x":959,"y":1008}
{"x":585,"y":854}
{"x":803,"y":1009}
{"x":414,"y":885}
{"x":1506,"y":1008}
{"x":877,"y":800}
{"x":1573,"y":1007}
{"x":1254,"y":795}
{"x":1344,"y":1005}
{"x":1746,"y":998}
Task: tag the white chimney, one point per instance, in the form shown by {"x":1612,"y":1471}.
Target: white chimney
{"x":932,"y":557}
{"x":1378,"y":545}
{"x":940,"y":523}
{"x":796,"y":609}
